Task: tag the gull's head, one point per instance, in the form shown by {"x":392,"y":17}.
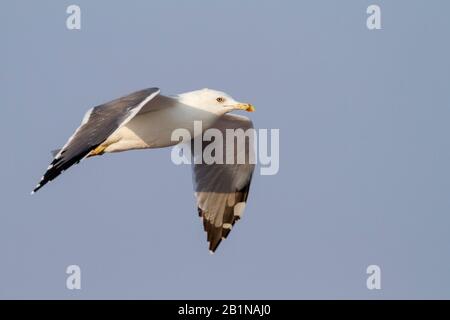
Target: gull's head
{"x":213,"y":101}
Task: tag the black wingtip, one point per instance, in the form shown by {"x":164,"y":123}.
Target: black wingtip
{"x":39,"y":186}
{"x":214,"y":245}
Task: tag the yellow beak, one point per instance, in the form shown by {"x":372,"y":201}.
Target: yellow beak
{"x":246,"y":106}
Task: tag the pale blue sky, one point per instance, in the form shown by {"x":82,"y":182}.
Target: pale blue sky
{"x":364,"y":154}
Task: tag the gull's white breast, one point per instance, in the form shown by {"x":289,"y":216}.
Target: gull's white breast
{"x":153,"y":128}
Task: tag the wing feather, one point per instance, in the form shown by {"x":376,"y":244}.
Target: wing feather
{"x":97,"y":125}
{"x":222,"y":190}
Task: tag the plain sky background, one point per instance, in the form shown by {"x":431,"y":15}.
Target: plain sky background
{"x":364,"y":153}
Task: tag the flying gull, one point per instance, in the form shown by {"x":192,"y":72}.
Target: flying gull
{"x":146,"y":119}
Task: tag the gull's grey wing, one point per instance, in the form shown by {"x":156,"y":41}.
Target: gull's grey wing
{"x":222,"y":189}
{"x":97,"y":125}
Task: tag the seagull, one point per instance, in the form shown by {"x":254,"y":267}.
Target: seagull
{"x":145,"y":119}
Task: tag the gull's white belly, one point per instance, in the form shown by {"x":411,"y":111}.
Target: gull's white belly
{"x":154,"y":129}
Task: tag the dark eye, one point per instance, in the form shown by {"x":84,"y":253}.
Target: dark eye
{"x":220,"y":100}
